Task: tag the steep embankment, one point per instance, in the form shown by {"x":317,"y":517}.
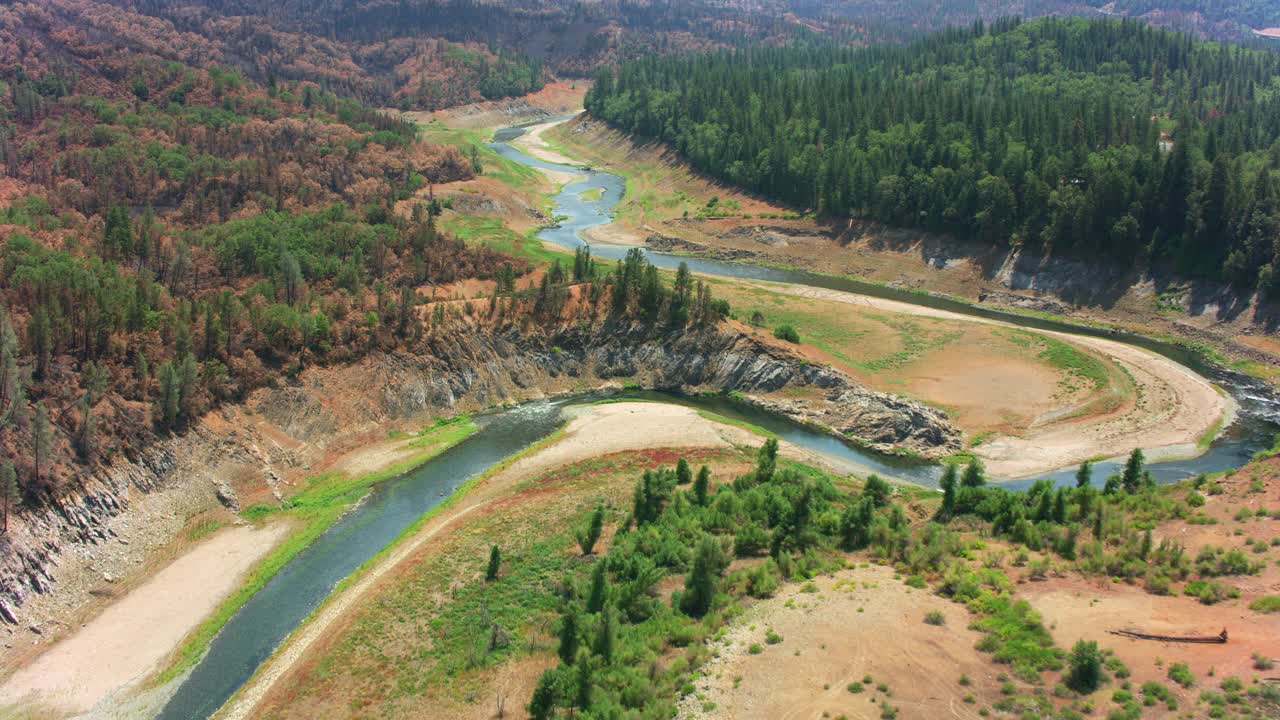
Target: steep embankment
{"x":284,"y":432}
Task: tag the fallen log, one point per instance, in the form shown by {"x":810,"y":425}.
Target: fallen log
{"x":1219,"y":639}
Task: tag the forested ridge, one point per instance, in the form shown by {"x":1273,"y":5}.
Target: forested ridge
{"x":175,"y":235}
{"x":1068,"y":136}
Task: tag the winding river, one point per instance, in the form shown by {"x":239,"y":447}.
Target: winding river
{"x":1258,"y":417}
{"x":274,"y":612}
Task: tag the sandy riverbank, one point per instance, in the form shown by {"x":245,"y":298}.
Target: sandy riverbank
{"x":1173,"y":409}
{"x":131,"y":638}
{"x":593,"y":431}
{"x":533,"y":143}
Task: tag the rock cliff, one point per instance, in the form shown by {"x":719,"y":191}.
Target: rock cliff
{"x":282,"y":431}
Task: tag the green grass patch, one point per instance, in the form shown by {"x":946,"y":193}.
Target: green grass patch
{"x":510,"y":172}
{"x":204,"y":527}
{"x":491,"y":231}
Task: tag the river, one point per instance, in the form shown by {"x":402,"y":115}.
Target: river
{"x":254,"y":632}
{"x":1258,"y":417}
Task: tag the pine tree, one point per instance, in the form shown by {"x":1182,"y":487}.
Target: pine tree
{"x":168,"y":401}
{"x":684,"y":475}
{"x":599,"y":590}
{"x":585,"y":680}
{"x":948,"y":485}
{"x":587,"y":539}
{"x":974,"y":474}
{"x":700,"y":583}
{"x":1084,"y":476}
{"x":12,"y":393}
{"x":86,"y":436}
{"x":767,"y":460}
{"x":702,"y":486}
{"x":605,"y":636}
{"x":495,"y":563}
{"x":290,"y":277}
{"x":877,"y":491}
{"x":568,"y":645}
{"x":1085,"y":664}
{"x":1131,"y":478}
{"x":542,"y":705}
{"x":8,"y":490}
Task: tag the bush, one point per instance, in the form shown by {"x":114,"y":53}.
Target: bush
{"x":1086,"y":667}
{"x":788,"y":333}
{"x":854,"y":687}
{"x":1266,"y":604}
{"x":935,"y":617}
{"x":1181,"y":674}
{"x":1209,"y":592}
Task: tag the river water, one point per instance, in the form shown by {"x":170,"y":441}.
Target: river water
{"x":254,"y":632}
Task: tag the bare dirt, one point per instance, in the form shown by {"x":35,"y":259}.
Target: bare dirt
{"x":1076,"y":609}
{"x":987,"y":379}
{"x":985,"y":391}
{"x":127,"y":642}
{"x":855,"y":623}
{"x":1172,"y":408}
{"x":555,"y":99}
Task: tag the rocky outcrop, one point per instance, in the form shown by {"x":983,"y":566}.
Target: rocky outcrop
{"x":294,"y":424}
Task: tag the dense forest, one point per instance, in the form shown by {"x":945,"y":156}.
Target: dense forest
{"x":1071,"y":137}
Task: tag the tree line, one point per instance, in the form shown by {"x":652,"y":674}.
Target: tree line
{"x":1103,"y":138}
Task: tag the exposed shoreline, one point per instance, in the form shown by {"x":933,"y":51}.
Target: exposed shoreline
{"x":593,"y":431}
{"x":120,"y":648}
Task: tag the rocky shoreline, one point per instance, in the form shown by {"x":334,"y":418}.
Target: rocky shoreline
{"x":93,"y":537}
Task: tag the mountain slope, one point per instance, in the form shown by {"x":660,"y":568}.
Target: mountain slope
{"x":1072,"y":137}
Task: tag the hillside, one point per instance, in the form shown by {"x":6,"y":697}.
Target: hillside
{"x":176,"y":235}
{"x":1070,"y":137}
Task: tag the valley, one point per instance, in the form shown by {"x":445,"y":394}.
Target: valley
{"x":481,"y":406}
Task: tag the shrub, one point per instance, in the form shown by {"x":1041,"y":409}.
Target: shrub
{"x":788,"y":333}
{"x":1262,"y":662}
{"x":854,"y":687}
{"x":935,"y":617}
{"x":1086,"y":667}
{"x":1209,"y":592}
{"x":1266,"y":604}
{"x":1181,"y":674}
